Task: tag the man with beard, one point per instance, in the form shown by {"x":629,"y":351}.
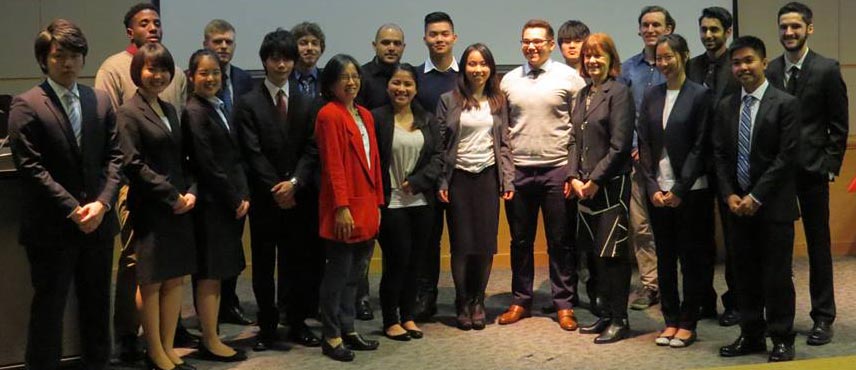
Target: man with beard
{"x":310,"y":45}
{"x":389,"y":47}
{"x":712,"y":69}
{"x":816,"y":81}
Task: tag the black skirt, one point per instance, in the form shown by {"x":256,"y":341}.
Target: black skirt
{"x":473,"y":213}
{"x":220,"y":252}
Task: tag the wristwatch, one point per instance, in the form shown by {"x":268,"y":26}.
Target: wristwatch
{"x":293,"y":181}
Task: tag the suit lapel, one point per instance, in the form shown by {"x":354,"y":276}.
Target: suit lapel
{"x":766,"y":101}
{"x":88,"y":116}
{"x":55,"y":106}
{"x":599,"y":98}
{"x":776,"y":74}
{"x":805,"y":72}
{"x":356,"y":140}
{"x":215,"y":117}
{"x":150,"y":114}
{"x":658,"y":100}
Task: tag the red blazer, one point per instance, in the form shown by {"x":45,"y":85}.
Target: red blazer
{"x":346,"y":177}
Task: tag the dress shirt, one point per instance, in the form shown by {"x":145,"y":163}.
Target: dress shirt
{"x":62,"y":92}
{"x":789,"y":65}
{"x":219,"y":107}
{"x":274,"y":90}
{"x":429,"y":65}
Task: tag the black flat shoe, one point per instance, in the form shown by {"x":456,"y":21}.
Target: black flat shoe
{"x":744,"y":346}
{"x":820,"y":334}
{"x":356,"y":342}
{"x":403,"y":337}
{"x":616,"y":331}
{"x":415,"y":334}
{"x":782,"y":352}
{"x":205,"y":354}
{"x":338,"y":353}
{"x":304,"y":336}
{"x":150,"y":365}
{"x":682,"y":343}
{"x":184,"y":366}
{"x":264,"y":343}
{"x":597,"y":327}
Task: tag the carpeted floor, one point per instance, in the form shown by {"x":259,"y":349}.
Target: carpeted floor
{"x":538,"y":342}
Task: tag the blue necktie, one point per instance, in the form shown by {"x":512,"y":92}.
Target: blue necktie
{"x":307,"y":85}
{"x":744,"y":142}
{"x":73,"y":114}
{"x":227,"y":95}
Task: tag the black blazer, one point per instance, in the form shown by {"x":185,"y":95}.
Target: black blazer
{"x":725,"y":82}
{"x":428,"y":167}
{"x":448,"y":119}
{"x":683,"y":138}
{"x":158,"y":171}
{"x":824,"y":120}
{"x":216,"y":156}
{"x":602,"y":135}
{"x":771,"y":157}
{"x":242,"y":83}
{"x":57,"y":175}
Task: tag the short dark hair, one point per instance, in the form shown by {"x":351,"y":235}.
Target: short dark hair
{"x":658,"y":9}
{"x":719,"y":13}
{"x":138,"y":8}
{"x":748,"y":42}
{"x":279,"y":43}
{"x":797,"y":7}
{"x":409,"y":68}
{"x":464,"y":91}
{"x":330,"y":74}
{"x":217,"y":26}
{"x":437,"y":17}
{"x":573,"y":30}
{"x":677,"y":43}
{"x":539,"y":23}
{"x":157,"y":56}
{"x":65,"y":34}
{"x":309,"y":29}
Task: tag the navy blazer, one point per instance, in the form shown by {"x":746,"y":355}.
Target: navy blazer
{"x":57,"y":174}
{"x":242,"y":83}
{"x":771,"y":157}
{"x":824,"y":114}
{"x":683,"y":138}
{"x":429,"y":166}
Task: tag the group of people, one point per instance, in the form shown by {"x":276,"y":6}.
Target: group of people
{"x":615,"y":156}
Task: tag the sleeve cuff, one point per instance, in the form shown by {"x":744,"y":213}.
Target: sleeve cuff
{"x":755,"y":199}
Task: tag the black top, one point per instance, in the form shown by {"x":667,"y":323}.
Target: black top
{"x":373,"y":87}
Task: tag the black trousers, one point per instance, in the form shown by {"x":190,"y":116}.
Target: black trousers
{"x":429,"y":273}
{"x":708,"y":294}
{"x":540,"y":188}
{"x":285,"y":244}
{"x":764,"y":256}
{"x":683,"y":234}
{"x":470,"y":273}
{"x":577,"y":261}
{"x":613,"y":286}
{"x":404,"y":237}
{"x":813,"y":196}
{"x":52,"y":270}
{"x":342,"y":273}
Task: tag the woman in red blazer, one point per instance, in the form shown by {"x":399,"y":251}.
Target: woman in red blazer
{"x":349,"y":202}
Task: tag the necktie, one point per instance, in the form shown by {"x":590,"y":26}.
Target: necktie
{"x":744,"y":142}
{"x":227,"y":94}
{"x":307,"y":85}
{"x":73,"y":114}
{"x":709,"y":77}
{"x":222,"y":107}
{"x":535,"y":72}
{"x":282,"y":104}
{"x":793,"y":80}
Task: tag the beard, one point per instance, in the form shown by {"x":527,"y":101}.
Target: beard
{"x":798,"y":46}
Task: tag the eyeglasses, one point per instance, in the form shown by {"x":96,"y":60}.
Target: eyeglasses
{"x":344,"y":77}
{"x":534,"y":42}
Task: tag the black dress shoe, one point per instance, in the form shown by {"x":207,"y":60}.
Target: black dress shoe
{"x":356,"y":342}
{"x":338,"y":353}
{"x":597,"y":327}
{"x":743,"y":346}
{"x":730,"y":317}
{"x":304,"y":336}
{"x":782,"y":352}
{"x":184,"y":366}
{"x":205,"y":354}
{"x":820,"y":334}
{"x":364,"y":311}
{"x":184,"y":339}
{"x":425,"y":308}
{"x":618,"y":330}
{"x":129,"y":350}
{"x":264,"y":343}
{"x":233,"y":315}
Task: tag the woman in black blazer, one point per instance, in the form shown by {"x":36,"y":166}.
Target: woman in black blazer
{"x":599,"y":176}
{"x":409,"y":144}
{"x":223,"y":197}
{"x":161,"y":194}
{"x":477,"y":170}
{"x":681,"y":204}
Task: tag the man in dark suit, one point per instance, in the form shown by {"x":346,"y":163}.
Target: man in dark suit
{"x":755,"y":142}
{"x":816,"y":82}
{"x":389,"y":47}
{"x":220,"y":38}
{"x":712,"y":69}
{"x":276,"y":134}
{"x":64,"y":143}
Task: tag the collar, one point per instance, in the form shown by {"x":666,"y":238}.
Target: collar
{"x":758,"y":93}
{"x":380,"y":68}
{"x":640,"y":59}
{"x":429,"y":65}
{"x":544,"y":67}
{"x":131,"y":49}
{"x":273,"y":89}
{"x":61,"y":91}
{"x":227,"y":70}
{"x":215,"y":101}
{"x":720,"y":60}
{"x":798,"y":64}
{"x":312,"y":72}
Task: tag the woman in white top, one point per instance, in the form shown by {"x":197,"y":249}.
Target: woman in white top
{"x":477,"y":171}
{"x":672,"y":135}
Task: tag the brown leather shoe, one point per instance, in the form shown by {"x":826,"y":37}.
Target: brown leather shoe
{"x":567,"y":320}
{"x":513,"y":315}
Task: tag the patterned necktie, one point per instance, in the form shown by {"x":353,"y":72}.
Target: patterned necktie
{"x":222,"y":108}
{"x":282,"y":104}
{"x":307,"y":85}
{"x":227,"y":95}
{"x":744,"y":142}
{"x":73,"y":114}
{"x":709,"y":77}
{"x":793,"y":80}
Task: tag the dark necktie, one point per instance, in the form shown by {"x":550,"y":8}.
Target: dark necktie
{"x":710,"y":76}
{"x":227,"y":95}
{"x":744,"y":136}
{"x":282,"y":104}
{"x":535,"y":72}
{"x":793,"y":80}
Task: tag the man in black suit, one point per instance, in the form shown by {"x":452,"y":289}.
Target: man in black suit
{"x":713,"y":70}
{"x":816,"y":82}
{"x":64,"y":143}
{"x":755,"y":143}
{"x":276,"y":133}
{"x":389,"y":47}
{"x":220,"y":38}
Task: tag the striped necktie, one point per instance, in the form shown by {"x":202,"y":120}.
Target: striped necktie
{"x":744,"y":143}
{"x":71,"y":101}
